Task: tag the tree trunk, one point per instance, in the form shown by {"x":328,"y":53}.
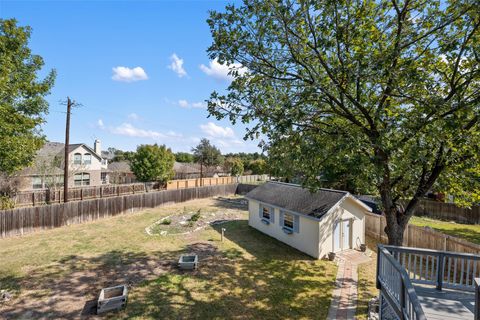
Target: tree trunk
{"x":393,"y":229}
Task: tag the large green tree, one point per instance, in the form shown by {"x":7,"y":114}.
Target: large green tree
{"x":22,"y":103}
{"x":390,"y":87}
{"x":153,"y":163}
{"x":184,"y":157}
{"x":207,"y":154}
{"x":234,"y":166}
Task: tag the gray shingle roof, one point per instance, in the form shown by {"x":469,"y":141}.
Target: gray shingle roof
{"x":294,"y":198}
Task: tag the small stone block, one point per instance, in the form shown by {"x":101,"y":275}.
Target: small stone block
{"x":188,"y":262}
{"x":112,"y":298}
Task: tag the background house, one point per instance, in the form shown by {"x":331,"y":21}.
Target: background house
{"x":193,"y":171}
{"x":86,"y":167}
{"x":119,"y":172}
{"x":314,"y":223}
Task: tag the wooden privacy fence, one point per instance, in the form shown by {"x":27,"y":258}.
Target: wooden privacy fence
{"x":194,"y":183}
{"x":419,"y":237}
{"x":29,"y":219}
{"x":41,"y":197}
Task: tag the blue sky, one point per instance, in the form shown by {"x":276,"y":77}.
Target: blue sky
{"x":139,"y":68}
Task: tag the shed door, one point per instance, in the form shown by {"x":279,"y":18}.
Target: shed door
{"x":336,"y":237}
{"x":346,"y":234}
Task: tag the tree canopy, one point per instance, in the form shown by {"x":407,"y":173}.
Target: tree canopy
{"x":22,"y":103}
{"x":389,"y":90}
{"x":234,"y":166}
{"x":184,"y":157}
{"x":207,"y":154}
{"x":153,"y":163}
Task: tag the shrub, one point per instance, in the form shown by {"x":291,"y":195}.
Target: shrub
{"x":6,"y":203}
{"x":195,"y":216}
{"x":166,"y":221}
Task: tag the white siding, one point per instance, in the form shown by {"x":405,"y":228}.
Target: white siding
{"x":306,"y":240}
{"x":348,"y":210}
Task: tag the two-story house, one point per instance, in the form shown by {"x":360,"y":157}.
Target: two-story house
{"x":86,"y":167}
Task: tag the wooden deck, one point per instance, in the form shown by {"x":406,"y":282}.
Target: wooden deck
{"x":446,"y":304}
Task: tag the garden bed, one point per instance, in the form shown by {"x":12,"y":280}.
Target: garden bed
{"x":191,"y":220}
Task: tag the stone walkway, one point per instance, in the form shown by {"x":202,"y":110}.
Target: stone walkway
{"x":344,"y":300}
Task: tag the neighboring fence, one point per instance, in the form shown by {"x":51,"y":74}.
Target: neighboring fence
{"x":194,"y":183}
{"x":254,"y":178}
{"x":448,"y":211}
{"x":419,"y":237}
{"x":42,"y":197}
{"x":29,"y":219}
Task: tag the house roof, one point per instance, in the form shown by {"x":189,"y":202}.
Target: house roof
{"x":119,"y":166}
{"x":295,"y":198}
{"x":180,"y":167}
{"x":49,"y":151}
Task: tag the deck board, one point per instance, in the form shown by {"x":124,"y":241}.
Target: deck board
{"x":446,"y":304}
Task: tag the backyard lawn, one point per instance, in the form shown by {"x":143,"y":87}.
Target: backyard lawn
{"x":59,"y":273}
{"x":469,"y":232}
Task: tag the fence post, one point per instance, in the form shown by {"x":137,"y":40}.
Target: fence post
{"x":101,"y":191}
{"x":81,"y":193}
{"x":33,"y":199}
{"x":440,"y":267}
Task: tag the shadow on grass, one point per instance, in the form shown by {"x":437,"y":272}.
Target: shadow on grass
{"x":265,"y":280}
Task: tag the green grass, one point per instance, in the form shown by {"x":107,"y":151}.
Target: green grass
{"x":366,"y":281}
{"x":465,"y":231}
{"x":247,"y":276}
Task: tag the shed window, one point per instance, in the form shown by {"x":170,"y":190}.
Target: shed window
{"x":87,"y":158}
{"x":266,"y":213}
{"x":288,"y":220}
{"x":77,"y":158}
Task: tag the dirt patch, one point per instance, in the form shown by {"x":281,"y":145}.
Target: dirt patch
{"x":50,"y":294}
{"x":194,"y":220}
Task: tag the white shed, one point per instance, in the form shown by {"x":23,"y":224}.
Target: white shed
{"x":314,"y":223}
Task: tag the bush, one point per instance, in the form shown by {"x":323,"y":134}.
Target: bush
{"x":166,"y":221}
{"x":6,"y":203}
{"x":196,"y":216}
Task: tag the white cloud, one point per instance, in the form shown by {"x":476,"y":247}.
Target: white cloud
{"x":183,"y":103}
{"x":100,"y":124}
{"x":176,"y":66}
{"x":126,"y":74}
{"x":220,"y":71}
{"x":215,"y":131}
{"x":127,"y":129}
{"x":195,"y":105}
{"x":199,"y":105}
{"x":133,"y":116}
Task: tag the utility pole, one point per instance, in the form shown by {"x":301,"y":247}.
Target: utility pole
{"x":66,"y":160}
{"x":201,"y":172}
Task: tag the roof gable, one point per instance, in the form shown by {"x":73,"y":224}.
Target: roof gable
{"x":73,"y":147}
